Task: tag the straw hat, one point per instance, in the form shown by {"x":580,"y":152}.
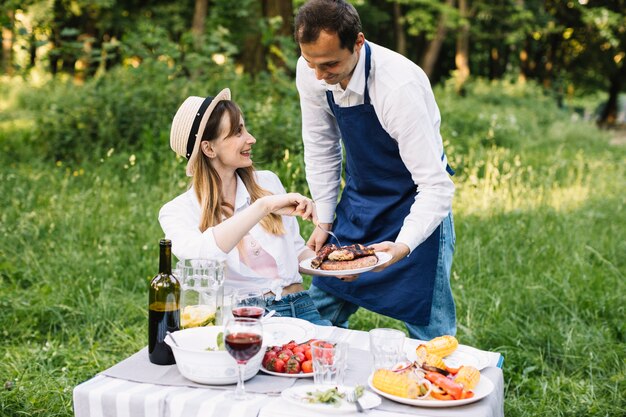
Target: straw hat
{"x":189,"y":124}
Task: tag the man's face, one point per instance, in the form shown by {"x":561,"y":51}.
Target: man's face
{"x":331,"y":63}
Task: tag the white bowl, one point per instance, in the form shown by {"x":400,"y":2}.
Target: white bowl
{"x":203,"y":366}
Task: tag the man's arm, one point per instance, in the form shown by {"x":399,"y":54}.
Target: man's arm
{"x":410,"y":115}
{"x":322,"y":149}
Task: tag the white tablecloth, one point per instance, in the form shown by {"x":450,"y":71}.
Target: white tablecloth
{"x":105,"y":396}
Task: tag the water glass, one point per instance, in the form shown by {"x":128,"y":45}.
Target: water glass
{"x":330,"y":362}
{"x":387,"y":347}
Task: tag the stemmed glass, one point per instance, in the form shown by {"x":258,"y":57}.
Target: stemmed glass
{"x":243,"y":339}
{"x":249,"y":302}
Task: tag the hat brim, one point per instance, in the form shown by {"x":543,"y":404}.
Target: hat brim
{"x":222,"y":95}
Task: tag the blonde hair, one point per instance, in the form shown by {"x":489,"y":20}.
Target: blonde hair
{"x":208,"y":185}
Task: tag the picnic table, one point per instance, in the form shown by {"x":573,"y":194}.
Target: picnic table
{"x":135,"y":387}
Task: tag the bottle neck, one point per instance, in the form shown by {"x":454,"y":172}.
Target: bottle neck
{"x":165,"y":260}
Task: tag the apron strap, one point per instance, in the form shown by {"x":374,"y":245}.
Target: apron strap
{"x":368,"y":65}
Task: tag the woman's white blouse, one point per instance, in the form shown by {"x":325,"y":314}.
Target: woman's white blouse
{"x":180,"y":219}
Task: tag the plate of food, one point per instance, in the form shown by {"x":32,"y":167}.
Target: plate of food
{"x":290,"y":360}
{"x":430,"y":389}
{"x":330,"y":399}
{"x":281,"y":330}
{"x":333,"y":260}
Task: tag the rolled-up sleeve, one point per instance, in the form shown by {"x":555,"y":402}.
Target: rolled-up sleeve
{"x":179,"y":221}
{"x":412,"y":119}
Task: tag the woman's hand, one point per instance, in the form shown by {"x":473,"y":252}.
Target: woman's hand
{"x":291,"y":204}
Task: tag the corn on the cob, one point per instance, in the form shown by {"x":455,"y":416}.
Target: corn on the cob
{"x":395,"y":384}
{"x":468,"y":376}
{"x":434,"y":360}
{"x":441,"y":346}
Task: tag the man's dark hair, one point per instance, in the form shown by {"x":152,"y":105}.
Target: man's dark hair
{"x":335,"y":16}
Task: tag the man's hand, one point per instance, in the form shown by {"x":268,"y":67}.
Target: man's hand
{"x":398,"y":251}
{"x":318,"y":236}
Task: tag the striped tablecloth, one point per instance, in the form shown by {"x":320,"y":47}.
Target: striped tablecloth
{"x":105,"y":396}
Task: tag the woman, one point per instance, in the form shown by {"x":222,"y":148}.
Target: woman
{"x":233,"y":212}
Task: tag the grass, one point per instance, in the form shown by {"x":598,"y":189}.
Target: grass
{"x":538,"y":273}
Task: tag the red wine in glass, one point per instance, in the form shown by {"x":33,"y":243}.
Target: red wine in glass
{"x":243,"y":346}
{"x":252,"y":312}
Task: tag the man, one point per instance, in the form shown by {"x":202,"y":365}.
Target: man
{"x":398,"y":194}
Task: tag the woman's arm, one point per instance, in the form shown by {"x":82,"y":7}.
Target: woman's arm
{"x":228,"y":233}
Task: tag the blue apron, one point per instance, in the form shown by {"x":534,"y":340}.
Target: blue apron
{"x":377,"y":196}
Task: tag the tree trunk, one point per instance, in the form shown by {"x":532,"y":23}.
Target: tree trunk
{"x":282,"y":8}
{"x":434,"y":47}
{"x":199,"y":19}
{"x":398,"y":29}
{"x":7,"y":44}
{"x":461,"y":57}
{"x":271,"y":9}
{"x":608,"y":117}
{"x":252,"y":56}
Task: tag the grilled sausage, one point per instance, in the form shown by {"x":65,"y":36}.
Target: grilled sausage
{"x":322,"y":254}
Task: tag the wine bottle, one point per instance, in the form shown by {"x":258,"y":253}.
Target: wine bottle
{"x":163,"y":307}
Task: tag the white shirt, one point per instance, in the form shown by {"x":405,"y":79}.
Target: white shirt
{"x":180,"y":219}
{"x":405,"y":106}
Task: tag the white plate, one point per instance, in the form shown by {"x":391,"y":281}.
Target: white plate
{"x":286,"y":375}
{"x":305,"y":266}
{"x":484,"y":388}
{"x":463,"y":355}
{"x":296,"y":394}
{"x":280,"y":330}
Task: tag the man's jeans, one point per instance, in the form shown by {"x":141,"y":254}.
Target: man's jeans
{"x":442,"y":313}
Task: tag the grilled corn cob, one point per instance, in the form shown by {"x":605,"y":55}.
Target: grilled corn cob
{"x":441,"y":346}
{"x":468,"y":376}
{"x":433,"y":360}
{"x":395,"y":384}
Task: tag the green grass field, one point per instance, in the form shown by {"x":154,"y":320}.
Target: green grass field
{"x":538,"y":275}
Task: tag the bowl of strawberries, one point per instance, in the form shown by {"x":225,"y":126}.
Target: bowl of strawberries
{"x":292,"y":360}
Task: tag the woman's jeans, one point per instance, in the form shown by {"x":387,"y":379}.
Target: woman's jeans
{"x":442,"y":313}
{"x":299,"y":305}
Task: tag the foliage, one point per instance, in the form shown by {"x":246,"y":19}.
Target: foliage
{"x":538,"y":273}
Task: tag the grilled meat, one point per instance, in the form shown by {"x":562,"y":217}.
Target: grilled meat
{"x":348,"y":253}
{"x":353,"y":264}
{"x":322,"y":254}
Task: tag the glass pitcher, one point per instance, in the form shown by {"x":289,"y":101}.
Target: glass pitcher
{"x":202,"y":292}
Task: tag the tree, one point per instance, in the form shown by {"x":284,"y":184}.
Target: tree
{"x":461,"y":58}
{"x":434,"y":47}
{"x":8,"y":23}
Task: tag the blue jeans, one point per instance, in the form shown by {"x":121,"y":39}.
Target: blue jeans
{"x":442,"y":312}
{"x":297,"y":305}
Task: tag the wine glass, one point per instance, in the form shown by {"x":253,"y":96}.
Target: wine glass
{"x":248,"y":302}
{"x":243,"y":337}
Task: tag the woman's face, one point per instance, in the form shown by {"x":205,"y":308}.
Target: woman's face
{"x":229,"y":153}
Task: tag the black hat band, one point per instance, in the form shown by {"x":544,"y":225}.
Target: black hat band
{"x":193,"y":134}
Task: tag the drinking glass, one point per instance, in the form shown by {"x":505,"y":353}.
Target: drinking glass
{"x":330,"y":361}
{"x":387,"y":347}
{"x":248,"y":302}
{"x":243,"y":338}
{"x":202,"y":292}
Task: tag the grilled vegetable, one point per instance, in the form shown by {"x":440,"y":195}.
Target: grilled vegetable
{"x":441,"y":346}
{"x":454,"y":390}
{"x":395,"y":383}
{"x":468,"y":376}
